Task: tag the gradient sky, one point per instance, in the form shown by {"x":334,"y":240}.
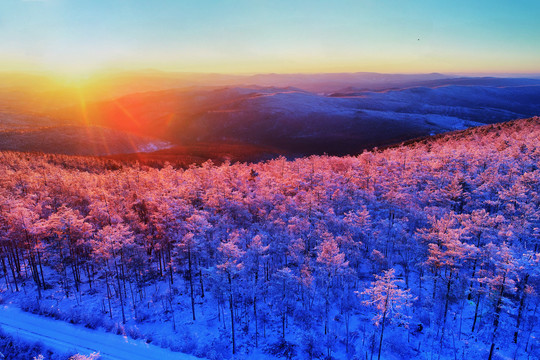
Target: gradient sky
{"x":249,"y":36}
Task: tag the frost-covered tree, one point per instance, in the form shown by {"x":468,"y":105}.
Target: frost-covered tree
{"x":500,"y":280}
{"x":389,"y":301}
{"x":231,"y":265}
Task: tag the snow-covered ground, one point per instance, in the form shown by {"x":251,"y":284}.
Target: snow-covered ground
{"x":64,"y":337}
{"x":154,"y":146}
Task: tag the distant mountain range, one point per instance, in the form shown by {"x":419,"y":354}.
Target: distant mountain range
{"x":295,"y":114}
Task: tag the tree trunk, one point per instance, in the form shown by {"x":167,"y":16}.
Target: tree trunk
{"x":347,"y":323}
{"x":191,"y":283}
{"x":498,"y":309}
{"x":447,"y":300}
{"x":382,"y":327}
{"x":6,"y":274}
{"x":521,"y":307}
{"x":255,"y":305}
{"x":201,"y":282}
{"x":108,"y":293}
{"x":120,"y":294}
{"x":382,"y":334}
{"x":476,"y":311}
{"x":326,"y":309}
{"x":41,"y":270}
{"x":231,"y":308}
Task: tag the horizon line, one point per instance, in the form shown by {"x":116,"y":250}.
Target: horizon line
{"x":91,"y":74}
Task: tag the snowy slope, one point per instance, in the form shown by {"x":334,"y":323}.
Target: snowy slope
{"x":299,"y":121}
{"x":295,"y":114}
{"x":65,"y":337}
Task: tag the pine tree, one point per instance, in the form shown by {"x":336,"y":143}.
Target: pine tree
{"x":231,"y":265}
{"x":500,"y":281}
{"x":333,"y":265}
{"x":389,"y":301}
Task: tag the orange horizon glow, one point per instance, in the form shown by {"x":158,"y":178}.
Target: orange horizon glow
{"x":82,"y":78}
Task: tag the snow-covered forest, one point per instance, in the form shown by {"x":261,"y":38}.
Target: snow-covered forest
{"x":424,"y":251}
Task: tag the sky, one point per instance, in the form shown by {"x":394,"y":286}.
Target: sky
{"x":282,"y":36}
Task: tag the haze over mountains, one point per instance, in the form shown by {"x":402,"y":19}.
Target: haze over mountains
{"x":291,"y":114}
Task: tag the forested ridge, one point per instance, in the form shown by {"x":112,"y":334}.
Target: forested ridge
{"x":428,"y":250}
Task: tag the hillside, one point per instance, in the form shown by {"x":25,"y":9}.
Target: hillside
{"x":428,"y":250}
{"x":302,"y":122}
{"x":78,"y":140}
{"x":196,"y":154}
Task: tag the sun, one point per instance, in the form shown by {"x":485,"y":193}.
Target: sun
{"x":73,"y":79}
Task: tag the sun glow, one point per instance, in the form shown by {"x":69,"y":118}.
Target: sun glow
{"x":78,"y":80}
{"x":133,"y":120}
{"x":82,"y":106}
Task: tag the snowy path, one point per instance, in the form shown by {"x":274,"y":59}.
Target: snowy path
{"x":65,"y":337}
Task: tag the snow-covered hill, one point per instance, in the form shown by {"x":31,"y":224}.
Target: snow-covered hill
{"x":296,"y":114}
{"x":299,"y":121}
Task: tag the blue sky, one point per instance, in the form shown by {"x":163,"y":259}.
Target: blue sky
{"x":248,"y":36}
